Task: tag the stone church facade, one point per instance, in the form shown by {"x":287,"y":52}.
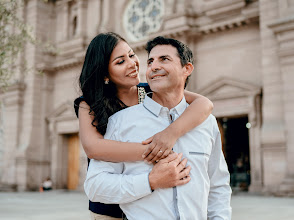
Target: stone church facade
{"x":244,"y":62}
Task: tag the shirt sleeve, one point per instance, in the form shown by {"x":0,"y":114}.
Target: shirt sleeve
{"x":106,"y":183}
{"x":219,"y":198}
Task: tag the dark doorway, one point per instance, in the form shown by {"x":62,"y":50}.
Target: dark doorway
{"x":235,"y":139}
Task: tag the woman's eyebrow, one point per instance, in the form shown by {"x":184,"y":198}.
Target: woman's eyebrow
{"x":121,"y":56}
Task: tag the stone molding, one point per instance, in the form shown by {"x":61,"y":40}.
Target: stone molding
{"x":235,"y":89}
{"x":284,"y":31}
{"x":13,"y":95}
{"x":226,"y":15}
{"x":71,"y":54}
{"x":63,"y":112}
{"x":216,"y":18}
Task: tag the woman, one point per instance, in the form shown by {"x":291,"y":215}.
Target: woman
{"x":109,"y":82}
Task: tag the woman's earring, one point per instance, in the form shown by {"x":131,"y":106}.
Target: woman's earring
{"x":106,"y":81}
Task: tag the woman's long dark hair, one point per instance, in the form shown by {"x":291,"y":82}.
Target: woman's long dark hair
{"x":101,"y":97}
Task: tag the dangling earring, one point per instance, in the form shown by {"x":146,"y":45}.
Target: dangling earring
{"x":106,"y":81}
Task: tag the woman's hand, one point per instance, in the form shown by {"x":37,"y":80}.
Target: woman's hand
{"x":160,"y":146}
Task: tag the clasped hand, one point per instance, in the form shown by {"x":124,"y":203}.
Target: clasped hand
{"x":160,"y":146}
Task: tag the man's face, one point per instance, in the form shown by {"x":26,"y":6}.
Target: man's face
{"x":164,"y":70}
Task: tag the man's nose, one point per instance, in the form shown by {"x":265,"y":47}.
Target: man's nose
{"x":155,"y":66}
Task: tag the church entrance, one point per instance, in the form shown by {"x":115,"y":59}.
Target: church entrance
{"x":235,"y":140}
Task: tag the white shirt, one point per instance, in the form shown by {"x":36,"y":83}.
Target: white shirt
{"x":206,"y":196}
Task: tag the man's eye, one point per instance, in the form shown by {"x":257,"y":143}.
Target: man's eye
{"x":149,"y":62}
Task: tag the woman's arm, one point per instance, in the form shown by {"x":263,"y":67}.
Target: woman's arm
{"x":99,"y":148}
{"x":162,"y":143}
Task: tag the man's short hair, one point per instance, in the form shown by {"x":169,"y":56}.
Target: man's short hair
{"x":184,"y":52}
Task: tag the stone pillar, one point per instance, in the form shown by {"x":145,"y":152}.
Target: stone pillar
{"x":284,"y":30}
{"x":82,"y":18}
{"x":254,"y":117}
{"x":273,"y":125}
{"x":106,"y":15}
{"x":12,"y":101}
{"x":62,"y":21}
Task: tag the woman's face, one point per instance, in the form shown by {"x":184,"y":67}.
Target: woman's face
{"x":123,"y":66}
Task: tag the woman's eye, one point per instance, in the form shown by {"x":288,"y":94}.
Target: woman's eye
{"x":132,"y":55}
{"x":121,"y":62}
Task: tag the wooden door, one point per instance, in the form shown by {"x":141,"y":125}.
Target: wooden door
{"x":73,"y":162}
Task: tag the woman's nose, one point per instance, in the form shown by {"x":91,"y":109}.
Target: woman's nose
{"x":132,"y":63}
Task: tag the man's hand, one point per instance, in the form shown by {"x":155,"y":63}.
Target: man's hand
{"x":170,"y":172}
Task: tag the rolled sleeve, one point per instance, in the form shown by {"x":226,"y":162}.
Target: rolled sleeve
{"x":141,"y":184}
{"x":105,"y":183}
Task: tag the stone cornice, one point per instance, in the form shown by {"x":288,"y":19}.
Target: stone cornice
{"x":71,"y":55}
{"x":13,"y":95}
{"x":225,"y":16}
{"x":282,"y":25}
{"x":284,"y":31}
{"x":224,"y":7}
{"x":18,"y":86}
{"x":228,"y":17}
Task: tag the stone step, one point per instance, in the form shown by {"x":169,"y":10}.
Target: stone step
{"x":4,"y":187}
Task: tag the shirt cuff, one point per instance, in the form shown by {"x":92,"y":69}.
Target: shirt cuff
{"x":141,"y":184}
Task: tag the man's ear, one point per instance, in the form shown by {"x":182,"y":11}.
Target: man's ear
{"x":188,"y":69}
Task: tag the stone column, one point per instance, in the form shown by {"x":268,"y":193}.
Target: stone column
{"x":254,"y":118}
{"x":62,"y":25}
{"x":12,"y":102}
{"x":82,"y":18}
{"x":284,"y":30}
{"x":273,"y":125}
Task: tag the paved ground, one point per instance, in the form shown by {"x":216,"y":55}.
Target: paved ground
{"x":65,"y":205}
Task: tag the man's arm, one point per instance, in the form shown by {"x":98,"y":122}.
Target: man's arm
{"x":220,"y":191}
{"x":105,"y":182}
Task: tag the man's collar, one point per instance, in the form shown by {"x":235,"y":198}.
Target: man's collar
{"x":155,"y":107}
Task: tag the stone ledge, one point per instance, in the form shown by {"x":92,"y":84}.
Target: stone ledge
{"x":5,"y":187}
{"x":282,"y":25}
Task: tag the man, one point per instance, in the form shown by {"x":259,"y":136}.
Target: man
{"x":207,"y":194}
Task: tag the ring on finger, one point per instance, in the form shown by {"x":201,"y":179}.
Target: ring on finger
{"x":160,"y":151}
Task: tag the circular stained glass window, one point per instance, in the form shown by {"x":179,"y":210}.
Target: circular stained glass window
{"x":143,"y":17}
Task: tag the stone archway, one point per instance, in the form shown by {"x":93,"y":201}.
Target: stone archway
{"x":233,"y":98}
